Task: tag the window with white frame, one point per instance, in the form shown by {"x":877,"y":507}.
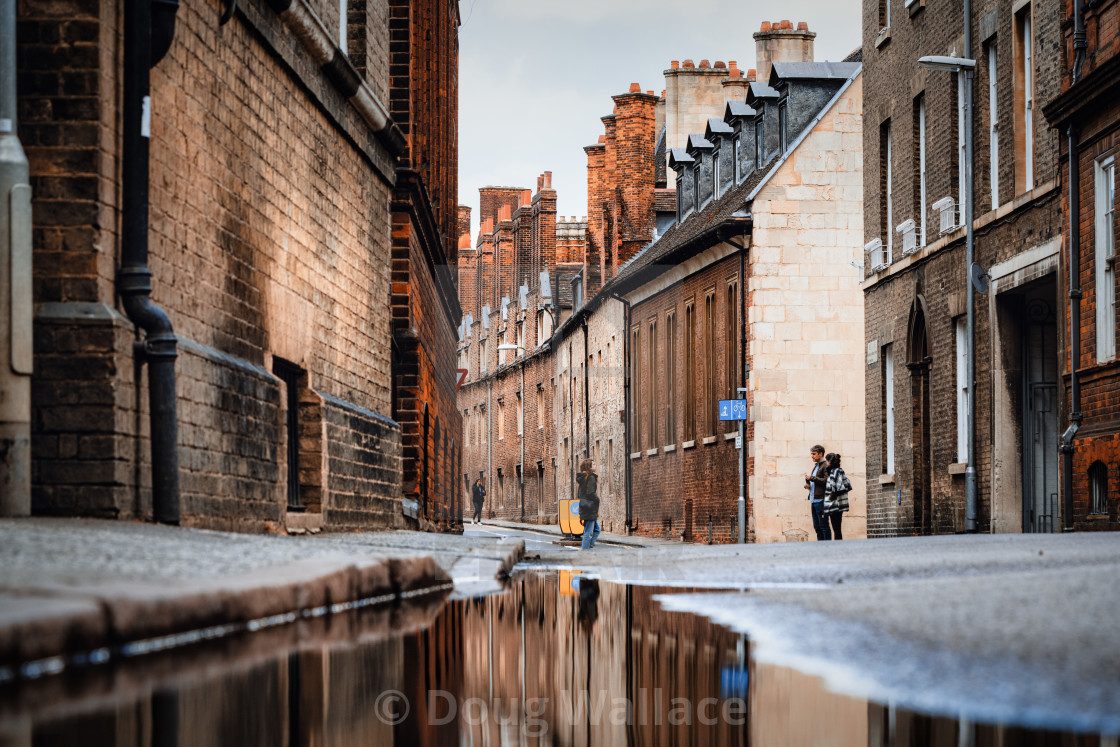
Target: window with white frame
{"x":961,"y":327}
{"x":962,"y":145}
{"x":993,"y":126}
{"x":888,"y":409}
{"x":342,"y":13}
{"x":715,"y":175}
{"x":1024,"y":101}
{"x":736,"y":153}
{"x":1105,"y":256}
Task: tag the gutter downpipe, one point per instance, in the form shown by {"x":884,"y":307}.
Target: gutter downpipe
{"x":586,"y":394}
{"x":149,"y":27}
{"x":742,"y":538}
{"x":970,"y":476}
{"x":1075,"y":416}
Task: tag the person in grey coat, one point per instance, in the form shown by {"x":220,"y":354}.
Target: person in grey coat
{"x":588,"y":503}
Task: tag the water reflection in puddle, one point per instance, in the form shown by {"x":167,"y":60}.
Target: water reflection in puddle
{"x":558,"y":659}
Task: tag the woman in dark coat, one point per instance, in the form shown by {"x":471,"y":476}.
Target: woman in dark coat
{"x":588,"y":503}
{"x":836,"y":494}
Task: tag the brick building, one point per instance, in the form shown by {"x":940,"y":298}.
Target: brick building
{"x":916,"y":330}
{"x":302,"y":171}
{"x":752,"y":288}
{"x":507,"y":402}
{"x":1086,"y":118}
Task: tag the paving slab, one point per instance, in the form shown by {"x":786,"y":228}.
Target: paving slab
{"x":73,"y":585}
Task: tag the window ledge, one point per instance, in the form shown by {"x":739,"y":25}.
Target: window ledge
{"x":651,"y":452}
{"x":709,"y":440}
{"x":883,"y":37}
{"x":635,"y":455}
{"x":670,"y":447}
{"x":958,"y":469}
{"x":886,"y":478}
{"x":730,"y":436}
{"x":914,"y":6}
{"x":688,"y":445}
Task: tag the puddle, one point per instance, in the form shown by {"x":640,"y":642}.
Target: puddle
{"x":559,"y":658}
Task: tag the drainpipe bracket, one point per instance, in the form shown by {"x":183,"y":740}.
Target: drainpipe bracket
{"x":134,"y":280}
{"x":157,"y":347}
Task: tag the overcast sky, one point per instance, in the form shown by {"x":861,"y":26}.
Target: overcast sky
{"x":535,"y":76}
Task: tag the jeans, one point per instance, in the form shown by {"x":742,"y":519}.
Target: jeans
{"x":478,"y":512}
{"x":590,"y":534}
{"x":820,"y":521}
{"x":834,"y":519}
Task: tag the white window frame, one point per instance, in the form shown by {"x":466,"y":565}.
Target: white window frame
{"x":342,"y":13}
{"x":962,"y":149}
{"x":889,"y":207}
{"x":1028,"y":97}
{"x":888,"y":383}
{"x":993,"y":125}
{"x":715,"y":175}
{"x":1104,"y":204}
{"x":960,"y":326}
{"x":922,"y":166}
{"x":736,"y":153}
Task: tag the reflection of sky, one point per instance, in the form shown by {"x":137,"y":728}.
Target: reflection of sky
{"x":535,"y":77}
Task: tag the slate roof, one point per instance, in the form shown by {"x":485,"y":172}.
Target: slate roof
{"x":716,"y":126}
{"x":660,"y":175}
{"x":812,"y":71}
{"x":737,"y":109}
{"x":680,"y":155}
{"x":692,"y":235}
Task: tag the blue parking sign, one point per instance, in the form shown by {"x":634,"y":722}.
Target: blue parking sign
{"x":732,"y":409}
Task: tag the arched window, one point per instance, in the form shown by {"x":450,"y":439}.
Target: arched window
{"x":1098,"y":488}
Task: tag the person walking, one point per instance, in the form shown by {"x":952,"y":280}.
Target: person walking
{"x":836,"y":491}
{"x":478,"y":497}
{"x":588,"y":503}
{"x":815,"y":480}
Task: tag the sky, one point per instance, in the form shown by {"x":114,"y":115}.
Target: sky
{"x":535,"y":76}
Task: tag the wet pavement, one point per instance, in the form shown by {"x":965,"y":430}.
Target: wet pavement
{"x":560,"y":657}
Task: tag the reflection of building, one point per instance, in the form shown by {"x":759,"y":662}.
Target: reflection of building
{"x":916,"y":313}
{"x":1086,"y":115}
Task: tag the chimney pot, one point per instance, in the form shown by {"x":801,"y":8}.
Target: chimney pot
{"x":765,"y":26}
{"x":662,"y":93}
{"x":635,"y":88}
{"x":650,"y":93}
{"x":704,"y":64}
{"x":526,"y":198}
{"x":540,"y":183}
{"x":802,"y":26}
{"x":787,"y":25}
{"x":752,"y":74}
{"x":548,"y":180}
{"x":674,"y":65}
{"x":687,"y":65}
{"x":719,"y":64}
{"x":602,"y":138}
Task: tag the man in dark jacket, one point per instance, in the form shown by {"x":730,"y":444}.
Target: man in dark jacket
{"x":588,"y":503}
{"x":478,"y":497}
{"x":815,"y":481}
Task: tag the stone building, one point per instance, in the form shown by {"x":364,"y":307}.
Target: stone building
{"x":916,"y":310}
{"x":1086,"y":118}
{"x":302,"y":171}
{"x":752,"y":288}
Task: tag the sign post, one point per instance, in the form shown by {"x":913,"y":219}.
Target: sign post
{"x":736,"y":409}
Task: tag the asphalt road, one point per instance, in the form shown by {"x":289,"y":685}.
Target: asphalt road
{"x":1021,"y":629}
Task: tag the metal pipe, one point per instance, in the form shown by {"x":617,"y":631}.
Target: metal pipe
{"x":15,"y":288}
{"x":1075,"y":415}
{"x":586,"y":394}
{"x":148,"y":29}
{"x":521,"y":415}
{"x":970,"y":493}
{"x":626,"y":408}
{"x":1080,"y":41}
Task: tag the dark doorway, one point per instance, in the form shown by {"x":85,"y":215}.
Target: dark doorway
{"x":1040,"y":408}
{"x":921,"y":469}
{"x":291,"y":375}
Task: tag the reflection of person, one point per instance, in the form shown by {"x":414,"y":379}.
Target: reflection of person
{"x":588,"y":503}
{"x":588,"y":602}
{"x":836,"y":494}
{"x":815,"y":480}
{"x":478,"y":496}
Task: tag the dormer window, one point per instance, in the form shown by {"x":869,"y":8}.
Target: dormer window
{"x":715,"y":176}
{"x":758,"y":146}
{"x":736,"y":150}
{"x":783,"y":124}
{"x":696,"y":188}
